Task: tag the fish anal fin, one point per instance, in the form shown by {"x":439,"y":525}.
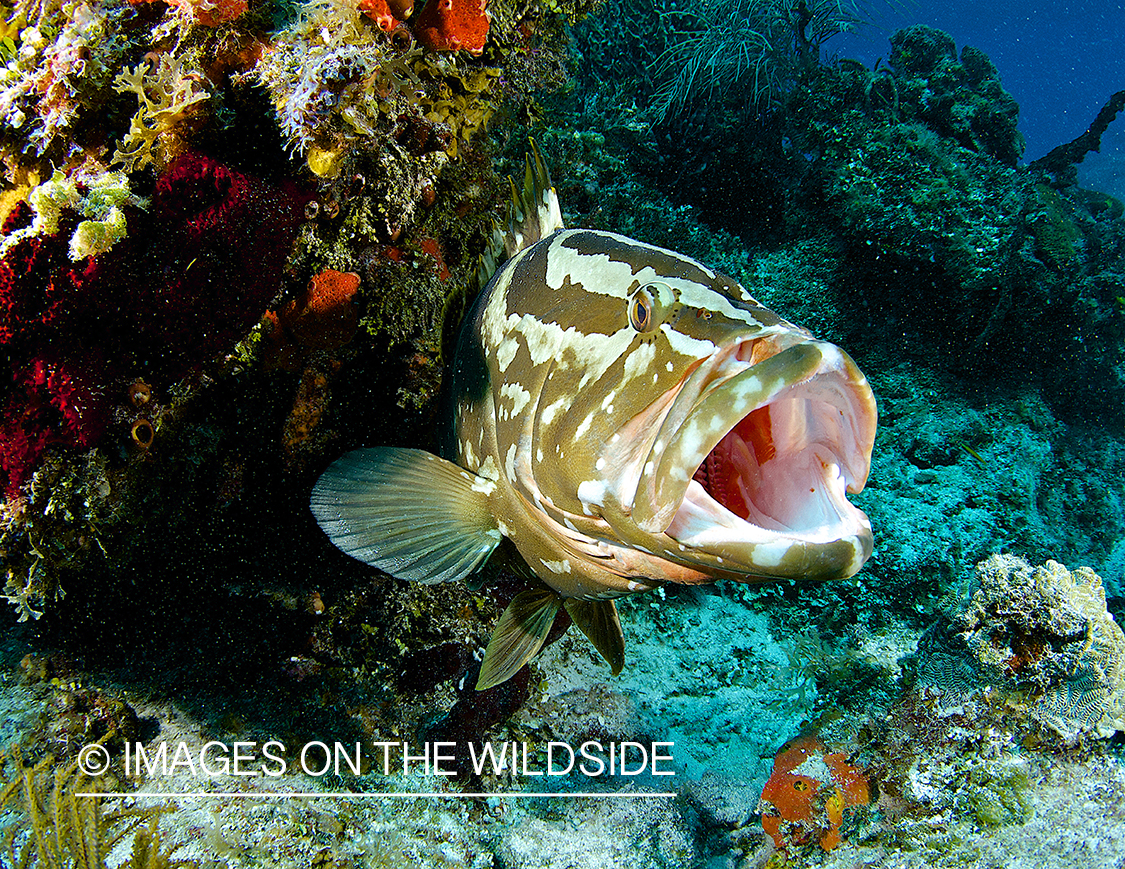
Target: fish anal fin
{"x":598,"y":620}
{"x":407,"y":512}
{"x":519,"y":635}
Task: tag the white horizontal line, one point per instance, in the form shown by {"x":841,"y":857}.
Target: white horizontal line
{"x":361,"y":795}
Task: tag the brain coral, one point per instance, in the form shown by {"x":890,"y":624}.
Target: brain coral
{"x":1043,"y":632}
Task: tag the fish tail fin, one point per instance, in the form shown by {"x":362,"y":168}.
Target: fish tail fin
{"x":533,"y":214}
{"x":407,"y":512}
{"x":598,"y":620}
{"x":519,"y":635}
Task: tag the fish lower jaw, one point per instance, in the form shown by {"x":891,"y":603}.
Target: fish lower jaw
{"x":702,"y":520}
{"x":834,"y":542}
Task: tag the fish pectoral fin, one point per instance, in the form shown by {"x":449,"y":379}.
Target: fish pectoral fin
{"x":519,"y":635}
{"x":407,"y":512}
{"x":598,"y":620}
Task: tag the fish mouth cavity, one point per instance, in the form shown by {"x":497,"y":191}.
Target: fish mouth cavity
{"x":753,"y":461}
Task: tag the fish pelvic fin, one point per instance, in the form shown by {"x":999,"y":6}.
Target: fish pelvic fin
{"x":407,"y":512}
{"x":519,"y":635}
{"x":533,"y":214}
{"x":598,"y":620}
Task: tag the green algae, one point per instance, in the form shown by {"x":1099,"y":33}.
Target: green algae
{"x":1057,"y":237}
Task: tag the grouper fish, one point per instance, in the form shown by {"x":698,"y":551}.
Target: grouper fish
{"x":626,"y":417}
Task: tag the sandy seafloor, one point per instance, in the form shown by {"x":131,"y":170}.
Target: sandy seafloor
{"x":718,"y":672}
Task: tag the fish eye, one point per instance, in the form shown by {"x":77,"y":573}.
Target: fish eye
{"x":640,"y":312}
{"x":650,"y":305}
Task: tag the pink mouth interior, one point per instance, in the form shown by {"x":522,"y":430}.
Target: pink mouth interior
{"x":724,"y":473}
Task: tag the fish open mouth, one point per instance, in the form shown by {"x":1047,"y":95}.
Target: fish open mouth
{"x":751,"y":467}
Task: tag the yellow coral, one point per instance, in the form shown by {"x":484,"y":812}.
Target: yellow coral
{"x":166,"y":95}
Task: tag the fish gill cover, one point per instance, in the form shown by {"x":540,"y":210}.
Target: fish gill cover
{"x":230,"y":231}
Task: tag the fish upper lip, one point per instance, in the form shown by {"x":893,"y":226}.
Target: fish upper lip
{"x":825,"y":418}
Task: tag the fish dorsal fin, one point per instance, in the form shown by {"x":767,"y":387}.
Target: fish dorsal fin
{"x":519,"y":635}
{"x":598,"y":620}
{"x":533,"y":214}
{"x":407,"y":512}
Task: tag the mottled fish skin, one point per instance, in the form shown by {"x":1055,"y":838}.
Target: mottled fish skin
{"x":588,"y":427}
{"x":626,"y":417}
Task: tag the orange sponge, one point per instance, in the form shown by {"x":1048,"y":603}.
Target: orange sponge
{"x":453,"y":25}
{"x":806,"y":795}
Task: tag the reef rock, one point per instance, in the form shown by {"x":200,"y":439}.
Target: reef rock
{"x":1041,"y":633}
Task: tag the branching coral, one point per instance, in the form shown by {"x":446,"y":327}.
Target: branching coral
{"x":166,"y":95}
{"x":61,"y":827}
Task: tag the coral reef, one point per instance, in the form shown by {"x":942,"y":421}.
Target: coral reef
{"x":338,"y":83}
{"x":74,"y":334}
{"x":335,"y":165}
{"x":959,"y":99}
{"x":70,"y":331}
{"x":59,"y":77}
{"x":1042,"y":633}
{"x":907,"y":179}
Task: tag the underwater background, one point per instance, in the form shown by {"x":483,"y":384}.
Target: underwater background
{"x":234,"y":234}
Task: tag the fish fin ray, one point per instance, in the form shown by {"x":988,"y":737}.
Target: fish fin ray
{"x":598,"y":620}
{"x":519,"y":635}
{"x":533,"y":214}
{"x":407,"y":512}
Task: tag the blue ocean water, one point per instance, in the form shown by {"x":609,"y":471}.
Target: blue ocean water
{"x":1060,"y":60}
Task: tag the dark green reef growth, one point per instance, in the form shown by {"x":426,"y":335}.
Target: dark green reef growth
{"x":907,"y":176}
